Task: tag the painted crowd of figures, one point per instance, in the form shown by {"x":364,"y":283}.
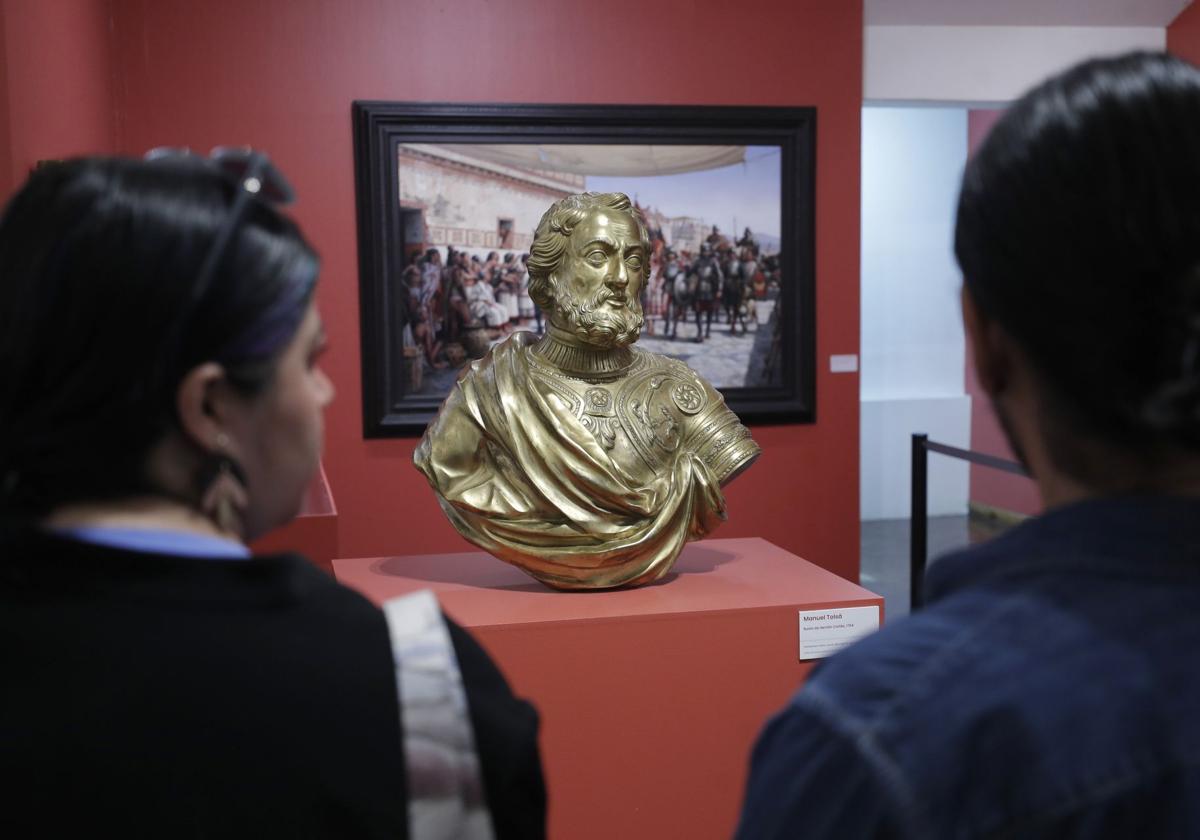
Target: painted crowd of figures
{"x":722,"y":282}
{"x":453,"y":309}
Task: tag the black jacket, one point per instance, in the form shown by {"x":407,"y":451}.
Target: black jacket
{"x":155,"y":695}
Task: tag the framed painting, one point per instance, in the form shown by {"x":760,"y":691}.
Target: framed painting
{"x":448,"y":193}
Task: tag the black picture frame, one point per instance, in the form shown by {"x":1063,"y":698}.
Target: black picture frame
{"x":379,"y":128}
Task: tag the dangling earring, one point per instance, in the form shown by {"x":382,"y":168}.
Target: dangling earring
{"x":224,"y":498}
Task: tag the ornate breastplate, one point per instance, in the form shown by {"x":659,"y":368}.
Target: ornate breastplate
{"x":643,"y":419}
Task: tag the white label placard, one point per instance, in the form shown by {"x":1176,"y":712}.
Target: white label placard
{"x":843,"y":364}
{"x":825,"y":632}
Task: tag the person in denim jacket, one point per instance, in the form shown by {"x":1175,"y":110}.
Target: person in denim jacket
{"x":1051,"y":687}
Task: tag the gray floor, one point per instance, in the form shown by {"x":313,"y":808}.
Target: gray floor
{"x":885,"y":563}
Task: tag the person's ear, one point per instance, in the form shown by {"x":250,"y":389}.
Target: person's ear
{"x":200,"y":402}
{"x":990,"y":347}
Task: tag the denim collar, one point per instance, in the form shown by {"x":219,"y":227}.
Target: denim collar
{"x":1123,"y":535}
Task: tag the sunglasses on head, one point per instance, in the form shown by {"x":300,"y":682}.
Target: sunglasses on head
{"x":255,"y":177}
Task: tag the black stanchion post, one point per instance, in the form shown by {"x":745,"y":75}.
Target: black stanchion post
{"x":918,"y":521}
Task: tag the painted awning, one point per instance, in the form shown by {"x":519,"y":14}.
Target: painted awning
{"x":613,"y":160}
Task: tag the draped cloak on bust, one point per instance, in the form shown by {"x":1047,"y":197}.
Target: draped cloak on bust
{"x":520,"y":475}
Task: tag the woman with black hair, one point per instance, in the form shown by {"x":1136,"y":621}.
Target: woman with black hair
{"x":161,"y":404}
{"x":1050,"y":687}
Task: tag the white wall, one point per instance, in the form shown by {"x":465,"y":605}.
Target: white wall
{"x":885,"y":430}
{"x":912,"y":339}
{"x":984,"y":63}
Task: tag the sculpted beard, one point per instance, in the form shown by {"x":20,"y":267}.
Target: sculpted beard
{"x":600,"y":325}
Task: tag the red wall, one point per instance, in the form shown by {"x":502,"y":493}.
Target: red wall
{"x":281,"y":74}
{"x":988,"y":486}
{"x":1183,"y":35}
{"x":56,"y":93}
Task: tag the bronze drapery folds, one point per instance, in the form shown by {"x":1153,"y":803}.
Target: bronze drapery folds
{"x":574,"y":456}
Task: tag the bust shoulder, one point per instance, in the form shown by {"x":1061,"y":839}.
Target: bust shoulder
{"x":672,"y":408}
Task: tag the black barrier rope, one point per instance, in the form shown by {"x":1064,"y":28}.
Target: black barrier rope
{"x":918,"y":532}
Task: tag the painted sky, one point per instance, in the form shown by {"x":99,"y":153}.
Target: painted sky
{"x":733,"y":197}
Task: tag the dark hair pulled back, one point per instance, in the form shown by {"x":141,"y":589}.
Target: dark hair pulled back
{"x":1079,"y":232}
{"x":99,"y":258}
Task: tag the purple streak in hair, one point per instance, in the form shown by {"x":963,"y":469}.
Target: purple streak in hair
{"x":275,"y":327}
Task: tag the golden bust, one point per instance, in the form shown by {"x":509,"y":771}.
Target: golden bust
{"x":580,"y":459}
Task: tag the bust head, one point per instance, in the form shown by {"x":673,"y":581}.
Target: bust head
{"x":589,"y":260}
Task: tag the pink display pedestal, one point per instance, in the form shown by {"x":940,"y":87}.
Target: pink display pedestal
{"x":650,"y":698}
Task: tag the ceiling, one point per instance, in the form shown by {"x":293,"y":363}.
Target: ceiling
{"x":1156,"y":13}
